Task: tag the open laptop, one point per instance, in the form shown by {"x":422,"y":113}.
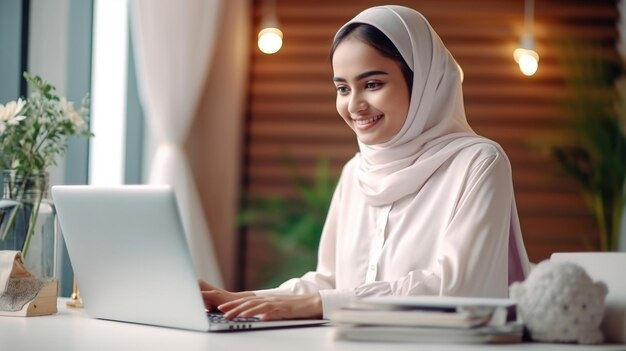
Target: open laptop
{"x":130,"y":257}
{"x":607,"y":267}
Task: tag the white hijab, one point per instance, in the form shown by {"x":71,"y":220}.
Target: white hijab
{"x":435,"y":128}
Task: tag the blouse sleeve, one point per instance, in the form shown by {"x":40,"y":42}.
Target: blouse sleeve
{"x":474,"y":255}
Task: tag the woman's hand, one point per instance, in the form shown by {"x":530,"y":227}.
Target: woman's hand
{"x":274,"y":307}
{"x":214,"y":297}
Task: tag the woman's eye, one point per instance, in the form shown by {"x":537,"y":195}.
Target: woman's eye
{"x":341,"y":90}
{"x":372,"y":85}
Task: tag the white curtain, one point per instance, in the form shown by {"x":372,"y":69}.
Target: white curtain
{"x":173,"y":45}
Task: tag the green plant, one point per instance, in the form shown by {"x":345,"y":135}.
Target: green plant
{"x":33,"y":132}
{"x":594,"y":150}
{"x":294,"y":224}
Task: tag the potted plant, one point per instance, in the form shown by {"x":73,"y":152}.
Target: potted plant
{"x":33,"y":132}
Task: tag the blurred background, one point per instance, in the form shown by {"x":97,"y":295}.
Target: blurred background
{"x":265,"y":143}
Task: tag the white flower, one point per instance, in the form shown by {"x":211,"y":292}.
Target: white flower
{"x":68,"y":110}
{"x":11,"y":111}
{"x":10,"y":114}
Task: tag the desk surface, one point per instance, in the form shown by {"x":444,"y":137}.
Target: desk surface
{"x":71,"y":329}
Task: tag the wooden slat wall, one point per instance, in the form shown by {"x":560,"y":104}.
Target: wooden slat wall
{"x":291,"y":106}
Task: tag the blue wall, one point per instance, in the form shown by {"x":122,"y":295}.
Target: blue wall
{"x":10,"y":49}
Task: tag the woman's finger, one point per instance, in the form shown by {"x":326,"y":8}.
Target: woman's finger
{"x":265,"y":309}
{"x":229,"y":305}
{"x":235,"y":308}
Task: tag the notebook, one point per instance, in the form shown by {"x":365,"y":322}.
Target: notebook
{"x":130,"y":257}
{"x":609,"y":268}
{"x":429,"y":319}
{"x":427,"y":311}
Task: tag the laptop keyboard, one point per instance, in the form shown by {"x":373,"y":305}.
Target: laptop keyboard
{"x":219,"y":323}
{"x":216,"y":317}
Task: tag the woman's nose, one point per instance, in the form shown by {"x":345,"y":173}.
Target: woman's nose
{"x":357,"y":103}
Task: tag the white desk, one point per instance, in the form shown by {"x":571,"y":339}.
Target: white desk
{"x":71,"y":329}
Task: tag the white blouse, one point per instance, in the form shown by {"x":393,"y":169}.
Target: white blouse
{"x":449,"y":238}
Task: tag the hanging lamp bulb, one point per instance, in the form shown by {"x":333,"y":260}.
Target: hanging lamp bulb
{"x":526,"y":56}
{"x":270,"y":38}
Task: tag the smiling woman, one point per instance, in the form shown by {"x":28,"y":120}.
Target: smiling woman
{"x":426,"y":207}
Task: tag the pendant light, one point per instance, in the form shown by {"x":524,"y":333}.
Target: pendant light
{"x":270,"y":36}
{"x":526,"y":56}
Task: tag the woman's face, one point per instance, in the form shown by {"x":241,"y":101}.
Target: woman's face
{"x":372,"y":95}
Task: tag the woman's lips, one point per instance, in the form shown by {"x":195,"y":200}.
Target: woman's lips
{"x":364,"y":123}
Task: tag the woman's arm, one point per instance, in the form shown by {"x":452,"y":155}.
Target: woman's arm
{"x":297,"y":297}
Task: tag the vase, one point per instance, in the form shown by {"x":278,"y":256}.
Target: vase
{"x":28,"y":221}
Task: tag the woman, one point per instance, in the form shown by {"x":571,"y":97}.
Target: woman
{"x":426,"y":207}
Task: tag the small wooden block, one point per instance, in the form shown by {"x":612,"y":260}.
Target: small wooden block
{"x":43,"y":304}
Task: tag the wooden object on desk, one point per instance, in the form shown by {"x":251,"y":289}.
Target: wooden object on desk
{"x":43,"y":304}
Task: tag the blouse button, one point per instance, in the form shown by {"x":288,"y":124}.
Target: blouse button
{"x":372,"y":267}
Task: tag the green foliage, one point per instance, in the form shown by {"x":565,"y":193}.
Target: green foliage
{"x":35,"y":133}
{"x":294,"y":224}
{"x":594,"y":153}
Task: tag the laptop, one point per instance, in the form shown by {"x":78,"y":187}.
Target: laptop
{"x":607,"y":267}
{"x":130,"y":257}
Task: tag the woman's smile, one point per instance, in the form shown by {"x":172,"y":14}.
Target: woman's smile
{"x":367,"y":122}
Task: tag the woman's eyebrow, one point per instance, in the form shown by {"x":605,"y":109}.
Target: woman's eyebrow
{"x":361,"y":76}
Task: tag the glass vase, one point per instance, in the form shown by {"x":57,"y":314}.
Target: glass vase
{"x":28,"y":221}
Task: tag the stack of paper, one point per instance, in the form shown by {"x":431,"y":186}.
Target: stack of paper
{"x":429,"y":319}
